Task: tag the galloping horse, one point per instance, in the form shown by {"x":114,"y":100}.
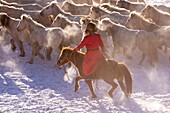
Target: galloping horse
{"x":108,"y":71}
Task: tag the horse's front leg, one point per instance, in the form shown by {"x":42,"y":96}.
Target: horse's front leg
{"x":115,"y":51}
{"x":142,"y":59}
{"x":13,"y":47}
{"x":89,"y":83}
{"x":77,"y":85}
{"x":34,"y":47}
{"x":48,"y":53}
{"x":125,"y":52}
{"x":38,"y":52}
{"x":21,"y":47}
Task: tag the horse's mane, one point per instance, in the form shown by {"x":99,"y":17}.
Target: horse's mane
{"x":11,"y":7}
{"x":157,"y":10}
{"x":65,"y":18}
{"x":7,"y":3}
{"x":30,"y":19}
{"x":111,"y":23}
{"x":5,"y":18}
{"x":71,"y":49}
{"x":52,"y":3}
{"x":58,"y":8}
{"x":73,"y":4}
{"x":138,"y":15}
{"x":128,"y":2}
{"x":101,"y":9}
{"x":108,"y":6}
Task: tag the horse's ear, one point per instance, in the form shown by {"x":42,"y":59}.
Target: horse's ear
{"x":23,"y":16}
{"x":149,"y":6}
{"x":53,"y":5}
{"x":132,"y":15}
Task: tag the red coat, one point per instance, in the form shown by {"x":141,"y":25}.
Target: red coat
{"x":93,"y":56}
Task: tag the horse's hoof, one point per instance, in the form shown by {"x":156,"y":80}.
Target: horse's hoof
{"x":130,"y":58}
{"x":30,"y":62}
{"x":13,"y":49}
{"x":76,"y":87}
{"x":42,"y":57}
{"x":110,"y":94}
{"x":48,"y":58}
{"x":22,"y":55}
{"x":94,"y":96}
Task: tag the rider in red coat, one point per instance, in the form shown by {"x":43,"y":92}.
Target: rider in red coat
{"x":93,"y":57}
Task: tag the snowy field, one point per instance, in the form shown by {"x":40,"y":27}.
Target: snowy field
{"x":43,"y":88}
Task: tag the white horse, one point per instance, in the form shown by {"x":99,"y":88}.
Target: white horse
{"x":54,"y":9}
{"x":122,"y":37}
{"x":72,"y":28}
{"x":145,"y":41}
{"x":159,"y":17}
{"x":17,"y":12}
{"x":100,"y":13}
{"x":10,"y":24}
{"x":75,"y":9}
{"x":42,"y":37}
{"x":40,"y":2}
{"x":111,"y":8}
{"x":89,"y":2}
{"x":163,"y":8}
{"x":145,"y":24}
{"x":24,"y":6}
{"x":132,"y":6}
{"x":137,"y":21}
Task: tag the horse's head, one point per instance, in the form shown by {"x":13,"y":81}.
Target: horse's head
{"x":132,"y":21}
{"x":66,"y":6}
{"x":4,"y":19}
{"x":48,"y":10}
{"x":95,"y":12}
{"x":119,"y":3}
{"x":22,"y":25}
{"x":146,"y":11}
{"x":58,"y":21}
{"x":65,"y":56}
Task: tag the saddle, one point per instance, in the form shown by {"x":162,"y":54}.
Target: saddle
{"x":110,"y":65}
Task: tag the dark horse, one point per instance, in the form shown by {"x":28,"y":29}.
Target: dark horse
{"x":108,"y":71}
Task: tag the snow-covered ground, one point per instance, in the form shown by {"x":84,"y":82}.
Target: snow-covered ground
{"x":43,"y":88}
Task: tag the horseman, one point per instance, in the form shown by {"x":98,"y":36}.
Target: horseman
{"x":95,"y":49}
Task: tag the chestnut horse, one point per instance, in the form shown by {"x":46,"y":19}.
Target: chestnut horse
{"x":108,"y":71}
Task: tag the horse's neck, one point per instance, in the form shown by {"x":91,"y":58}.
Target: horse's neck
{"x":118,"y":18}
{"x":13,"y":12}
{"x":126,"y":5}
{"x":32,"y":27}
{"x":104,"y":15}
{"x":76,"y":61}
{"x":65,"y":23}
{"x":154,"y":14}
{"x":149,"y":26}
{"x":12,"y":24}
{"x":56,"y":11}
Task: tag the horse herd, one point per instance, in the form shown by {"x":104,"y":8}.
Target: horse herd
{"x":131,"y":24}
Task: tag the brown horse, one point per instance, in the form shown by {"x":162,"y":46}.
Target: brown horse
{"x":108,"y":71}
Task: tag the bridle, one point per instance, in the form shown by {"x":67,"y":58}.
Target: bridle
{"x":66,"y":57}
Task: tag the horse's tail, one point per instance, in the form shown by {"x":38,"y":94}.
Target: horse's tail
{"x":128,"y":79}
